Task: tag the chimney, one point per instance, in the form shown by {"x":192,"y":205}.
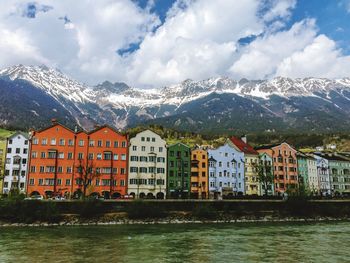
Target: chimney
{"x":244,"y":138}
{"x":96,"y":126}
{"x":54,"y":121}
{"x":75,"y":128}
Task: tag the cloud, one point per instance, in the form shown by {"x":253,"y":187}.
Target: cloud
{"x":118,"y":40}
{"x":261,"y":58}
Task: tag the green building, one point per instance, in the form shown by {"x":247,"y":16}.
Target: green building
{"x":179,"y":171}
{"x":339,"y":172}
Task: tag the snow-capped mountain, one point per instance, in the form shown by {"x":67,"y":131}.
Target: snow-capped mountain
{"x":216,"y":103}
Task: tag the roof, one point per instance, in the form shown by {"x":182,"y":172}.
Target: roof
{"x":25,"y":135}
{"x":267,"y":146}
{"x":333,"y":157}
{"x":211,"y":159}
{"x":243,"y":146}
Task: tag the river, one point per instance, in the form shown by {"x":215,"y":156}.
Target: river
{"x":283,"y":242}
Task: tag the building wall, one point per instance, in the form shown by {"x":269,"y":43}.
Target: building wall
{"x":179,"y":171}
{"x":105,"y":151}
{"x":16,"y":163}
{"x":226,"y":175}
{"x":252,"y":185}
{"x":323,"y":175}
{"x":339,"y":172}
{"x":2,"y":163}
{"x":266,"y":165}
{"x":284,"y":167}
{"x":52,"y":156}
{"x":199,"y":174}
{"x":147,"y":165}
{"x":312,"y":175}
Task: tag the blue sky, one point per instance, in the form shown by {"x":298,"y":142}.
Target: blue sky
{"x":153,"y":43}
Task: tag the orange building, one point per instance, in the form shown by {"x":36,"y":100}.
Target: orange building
{"x":104,"y":151}
{"x":68,"y":163}
{"x":284,"y":166}
{"x":199,"y":174}
{"x":51,"y":163}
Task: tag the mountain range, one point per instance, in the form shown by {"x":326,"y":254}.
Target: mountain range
{"x":32,"y":95}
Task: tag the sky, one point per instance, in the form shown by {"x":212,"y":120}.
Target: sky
{"x":156,"y":43}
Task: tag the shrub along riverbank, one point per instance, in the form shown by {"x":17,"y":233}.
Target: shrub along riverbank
{"x":94,"y":211}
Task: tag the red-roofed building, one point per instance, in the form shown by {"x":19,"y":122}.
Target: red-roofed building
{"x":251,"y":157}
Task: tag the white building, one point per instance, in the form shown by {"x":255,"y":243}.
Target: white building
{"x":312,"y":174}
{"x":147,"y":166}
{"x":16,"y":163}
{"x":226,"y":171}
{"x":323,"y":177}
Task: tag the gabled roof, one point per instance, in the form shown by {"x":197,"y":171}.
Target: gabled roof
{"x":211,"y":159}
{"x":53,"y":125}
{"x":104,"y":126}
{"x":25,"y":135}
{"x":267,"y":146}
{"x":242,"y":146}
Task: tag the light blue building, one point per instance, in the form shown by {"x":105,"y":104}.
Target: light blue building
{"x":323,"y":176}
{"x":226,"y":172}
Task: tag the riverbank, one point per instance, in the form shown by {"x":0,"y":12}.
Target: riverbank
{"x":39,"y":213}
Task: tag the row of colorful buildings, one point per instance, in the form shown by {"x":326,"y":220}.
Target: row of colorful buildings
{"x":57,"y":161}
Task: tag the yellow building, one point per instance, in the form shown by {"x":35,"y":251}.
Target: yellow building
{"x":251,"y":160}
{"x":199,"y":174}
{"x":2,"y":163}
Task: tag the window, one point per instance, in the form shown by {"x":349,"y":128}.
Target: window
{"x":115,"y":157}
{"x":152,"y":148}
{"x":106,"y":182}
{"x":160,"y":159}
{"x":148,"y":139}
{"x":133,"y":169}
{"x":99,"y":143}
{"x":70,"y":156}
{"x":107,"y":156}
{"x":25,"y":151}
{"x":91,"y":156}
{"x":8,"y":160}
{"x":10,"y":141}
{"x":31,"y":181}
{"x":53,"y":141}
{"x":70,"y":142}
{"x":143,"y":169}
{"x":25,"y":142}
{"x":160,"y":170}
{"x":143,"y":148}
{"x":142,"y":139}
{"x":60,"y":155}
{"x":49,"y":181}
{"x":153,"y":139}
{"x":108,"y":144}
{"x":32,"y":169}
{"x":59,"y":181}
{"x":69,"y":169}
{"x":97,"y":182}
{"x":81,"y":143}
{"x":123,"y":144}
{"x":42,"y":169}
{"x":160,"y":149}
{"x":99,"y":156}
{"x":60,"y":169}
{"x":134,"y":148}
{"x":44,"y":141}
{"x":116,"y":144}
{"x":24,"y":161}
{"x":51,"y":155}
{"x":18,"y":150}
{"x":123,"y":157}
{"x":41,"y":181}
{"x":9,"y":150}
{"x":122,"y":170}
{"x":91,"y":143}
{"x":61,"y":142}
{"x":43,"y":155}
{"x":35,"y":141}
{"x":122,"y":183}
{"x":80,"y":156}
{"x":50,"y":169}
{"x":67,"y":181}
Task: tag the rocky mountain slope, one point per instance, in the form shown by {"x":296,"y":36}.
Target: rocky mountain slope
{"x":212,"y":105}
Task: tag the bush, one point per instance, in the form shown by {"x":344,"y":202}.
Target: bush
{"x":139,"y":209}
{"x":90,"y":208}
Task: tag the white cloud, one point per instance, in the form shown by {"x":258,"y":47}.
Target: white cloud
{"x":260,"y":59}
{"x":321,"y":58}
{"x":199,"y":39}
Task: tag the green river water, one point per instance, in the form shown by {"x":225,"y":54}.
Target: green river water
{"x":284,"y":242}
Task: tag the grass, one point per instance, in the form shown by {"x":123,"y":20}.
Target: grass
{"x":5,"y":133}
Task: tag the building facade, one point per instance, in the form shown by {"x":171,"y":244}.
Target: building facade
{"x":101,"y":163}
{"x":52,"y":161}
{"x":179,"y":171}
{"x":147,"y":166}
{"x":312,"y":175}
{"x":266,"y":178}
{"x":199,"y":174}
{"x":15,"y":176}
{"x":285,"y":166}
{"x":339,"y":174}
{"x":2,"y":164}
{"x":324,"y":182}
{"x":226,"y":172}
{"x":251,"y":161}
